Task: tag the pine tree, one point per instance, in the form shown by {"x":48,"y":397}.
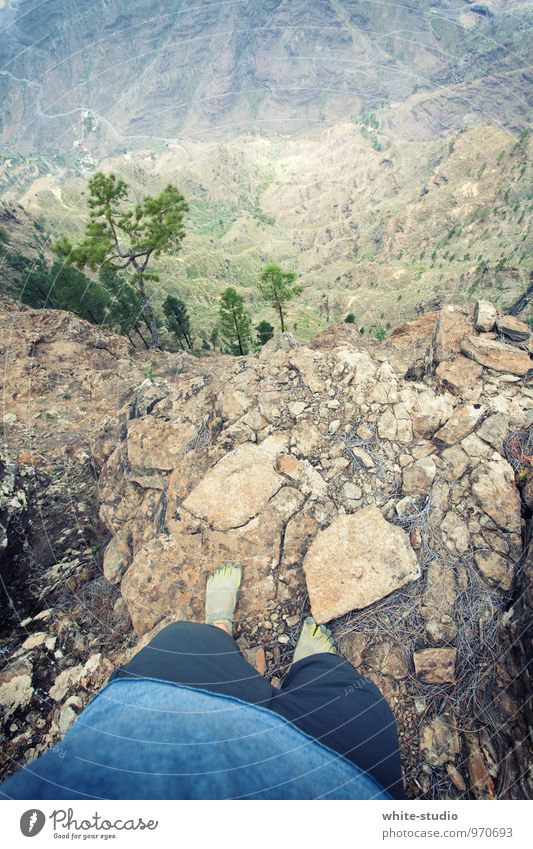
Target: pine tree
{"x":277,"y":289}
{"x":124,"y":237}
{"x":235,"y":325}
{"x":178,"y":320}
{"x":125,"y":312}
{"x":264,"y":331}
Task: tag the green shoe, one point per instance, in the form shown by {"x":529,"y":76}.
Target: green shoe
{"x":222,"y":593}
{"x":314,"y":639}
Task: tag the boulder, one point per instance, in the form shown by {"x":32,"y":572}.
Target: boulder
{"x":453,"y":463}
{"x":513,"y":328}
{"x":357,"y":560}
{"x":307,"y":363}
{"x":496,"y":355}
{"x":485,"y":316}
{"x":235,"y":489}
{"x":460,"y":424}
{"x":303,"y":473}
{"x":430,"y":413}
{"x":459,"y":374}
{"x":435,"y":665}
{"x":494,"y":430}
{"x":360,"y":365}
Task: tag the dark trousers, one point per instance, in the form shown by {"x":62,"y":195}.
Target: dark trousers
{"x":323,"y":694}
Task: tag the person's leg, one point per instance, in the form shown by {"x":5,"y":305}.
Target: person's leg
{"x":201,"y":656}
{"x":325,"y":696}
{"x":205,"y":656}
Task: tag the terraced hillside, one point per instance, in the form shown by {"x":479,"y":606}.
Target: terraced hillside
{"x":373,"y":225}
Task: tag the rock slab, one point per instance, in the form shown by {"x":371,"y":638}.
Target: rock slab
{"x":357,"y":560}
{"x":496,"y":355}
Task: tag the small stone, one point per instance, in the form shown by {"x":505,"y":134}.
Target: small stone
{"x":364,"y":457}
{"x":284,"y":639}
{"x":364,"y":432}
{"x":451,"y":326}
{"x":456,"y":533}
{"x":64,"y":681}
{"x":387,"y":426}
{"x":435,"y":665}
{"x":334,"y":426}
{"x":9,"y":418}
{"x":456,"y":778}
{"x":407,"y":506}
{"x":494,"y":430}
{"x":418,"y":477}
{"x":439,"y":742}
{"x":296,"y":408}
{"x":117,"y":556}
{"x":494,"y":490}
{"x":34,"y":640}
{"x":260,"y":661}
{"x":453,"y":463}
{"x":66,"y":718}
{"x":430,"y":413}
{"x":352,"y":492}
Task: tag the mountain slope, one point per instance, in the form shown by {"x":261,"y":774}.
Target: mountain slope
{"x":117,"y":74}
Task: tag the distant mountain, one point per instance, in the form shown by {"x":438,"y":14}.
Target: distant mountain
{"x":114,"y":74}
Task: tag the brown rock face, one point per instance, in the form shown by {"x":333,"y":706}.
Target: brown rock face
{"x":435,"y":666}
{"x":496,"y":355}
{"x":290,"y":462}
{"x":357,"y":560}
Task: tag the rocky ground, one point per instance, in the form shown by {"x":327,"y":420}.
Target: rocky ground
{"x":387,"y":488}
